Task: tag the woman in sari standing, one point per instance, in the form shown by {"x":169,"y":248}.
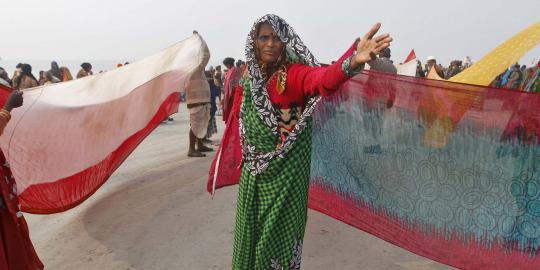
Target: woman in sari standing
{"x":280,"y":89}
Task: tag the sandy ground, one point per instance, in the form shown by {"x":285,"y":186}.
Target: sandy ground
{"x":155,"y":213}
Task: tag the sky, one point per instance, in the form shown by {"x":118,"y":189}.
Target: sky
{"x":109,"y":31}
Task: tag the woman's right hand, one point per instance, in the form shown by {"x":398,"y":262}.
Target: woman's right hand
{"x":14,"y":100}
{"x":370,"y":46}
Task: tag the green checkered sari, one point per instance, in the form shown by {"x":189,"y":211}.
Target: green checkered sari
{"x":272,"y":206}
{"x":272,"y":201}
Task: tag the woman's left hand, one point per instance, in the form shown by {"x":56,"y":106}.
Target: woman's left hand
{"x":370,"y":46}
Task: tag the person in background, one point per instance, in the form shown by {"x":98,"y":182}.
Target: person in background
{"x":218,"y":81}
{"x":86,"y":70}
{"x":26,"y":79}
{"x":218,"y":78}
{"x":232,"y":79}
{"x":383,"y":62}
{"x":50,"y":79}
{"x":514,"y":78}
{"x":533,"y":82}
{"x":198,"y":104}
{"x":506,"y":75}
{"x":41,"y":80}
{"x":215,"y":92}
{"x":225,"y":70}
{"x":441,"y":68}
{"x":419,"y":70}
{"x":240,"y":65}
{"x":66,"y":74}
{"x":16,"y":249}
{"x":527,"y":74}
{"x":454,"y":69}
{"x":16,"y":73}
{"x":497,"y":82}
{"x":55,"y":71}
{"x":432,"y":63}
{"x":4,"y":78}
{"x":467,"y":62}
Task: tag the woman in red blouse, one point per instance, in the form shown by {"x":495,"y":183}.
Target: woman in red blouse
{"x":16,"y":249}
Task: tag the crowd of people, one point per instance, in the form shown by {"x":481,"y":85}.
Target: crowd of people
{"x":455,"y":67}
{"x":520,"y":78}
{"x":516,"y":77}
{"x":23,"y":77}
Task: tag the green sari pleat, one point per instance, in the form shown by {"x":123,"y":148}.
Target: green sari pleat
{"x":272,"y":206}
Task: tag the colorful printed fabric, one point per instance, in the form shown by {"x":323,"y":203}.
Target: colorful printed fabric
{"x":459,"y":185}
{"x":448,"y":171}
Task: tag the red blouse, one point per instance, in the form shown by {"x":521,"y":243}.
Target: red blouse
{"x":302,"y":82}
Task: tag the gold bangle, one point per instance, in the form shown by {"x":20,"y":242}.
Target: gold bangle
{"x":5,"y":114}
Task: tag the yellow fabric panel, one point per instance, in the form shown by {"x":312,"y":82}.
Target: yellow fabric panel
{"x":484,"y":71}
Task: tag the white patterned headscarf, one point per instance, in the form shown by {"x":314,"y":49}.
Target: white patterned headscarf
{"x":256,"y":162}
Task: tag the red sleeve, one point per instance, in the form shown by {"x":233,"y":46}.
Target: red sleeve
{"x":312,"y":81}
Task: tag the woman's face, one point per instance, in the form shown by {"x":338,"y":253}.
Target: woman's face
{"x":269,"y":45}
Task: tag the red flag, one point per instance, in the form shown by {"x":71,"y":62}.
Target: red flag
{"x":411,"y":56}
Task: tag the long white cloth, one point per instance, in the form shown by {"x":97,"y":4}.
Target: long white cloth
{"x":64,"y":128}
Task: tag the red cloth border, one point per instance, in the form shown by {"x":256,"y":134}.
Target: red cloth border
{"x":64,"y":194}
{"x":426,"y":243}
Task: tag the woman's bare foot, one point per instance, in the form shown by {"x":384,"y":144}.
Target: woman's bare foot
{"x":195,"y":154}
{"x":202,"y":148}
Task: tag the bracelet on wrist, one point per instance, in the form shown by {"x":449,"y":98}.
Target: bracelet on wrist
{"x":347,"y":68}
